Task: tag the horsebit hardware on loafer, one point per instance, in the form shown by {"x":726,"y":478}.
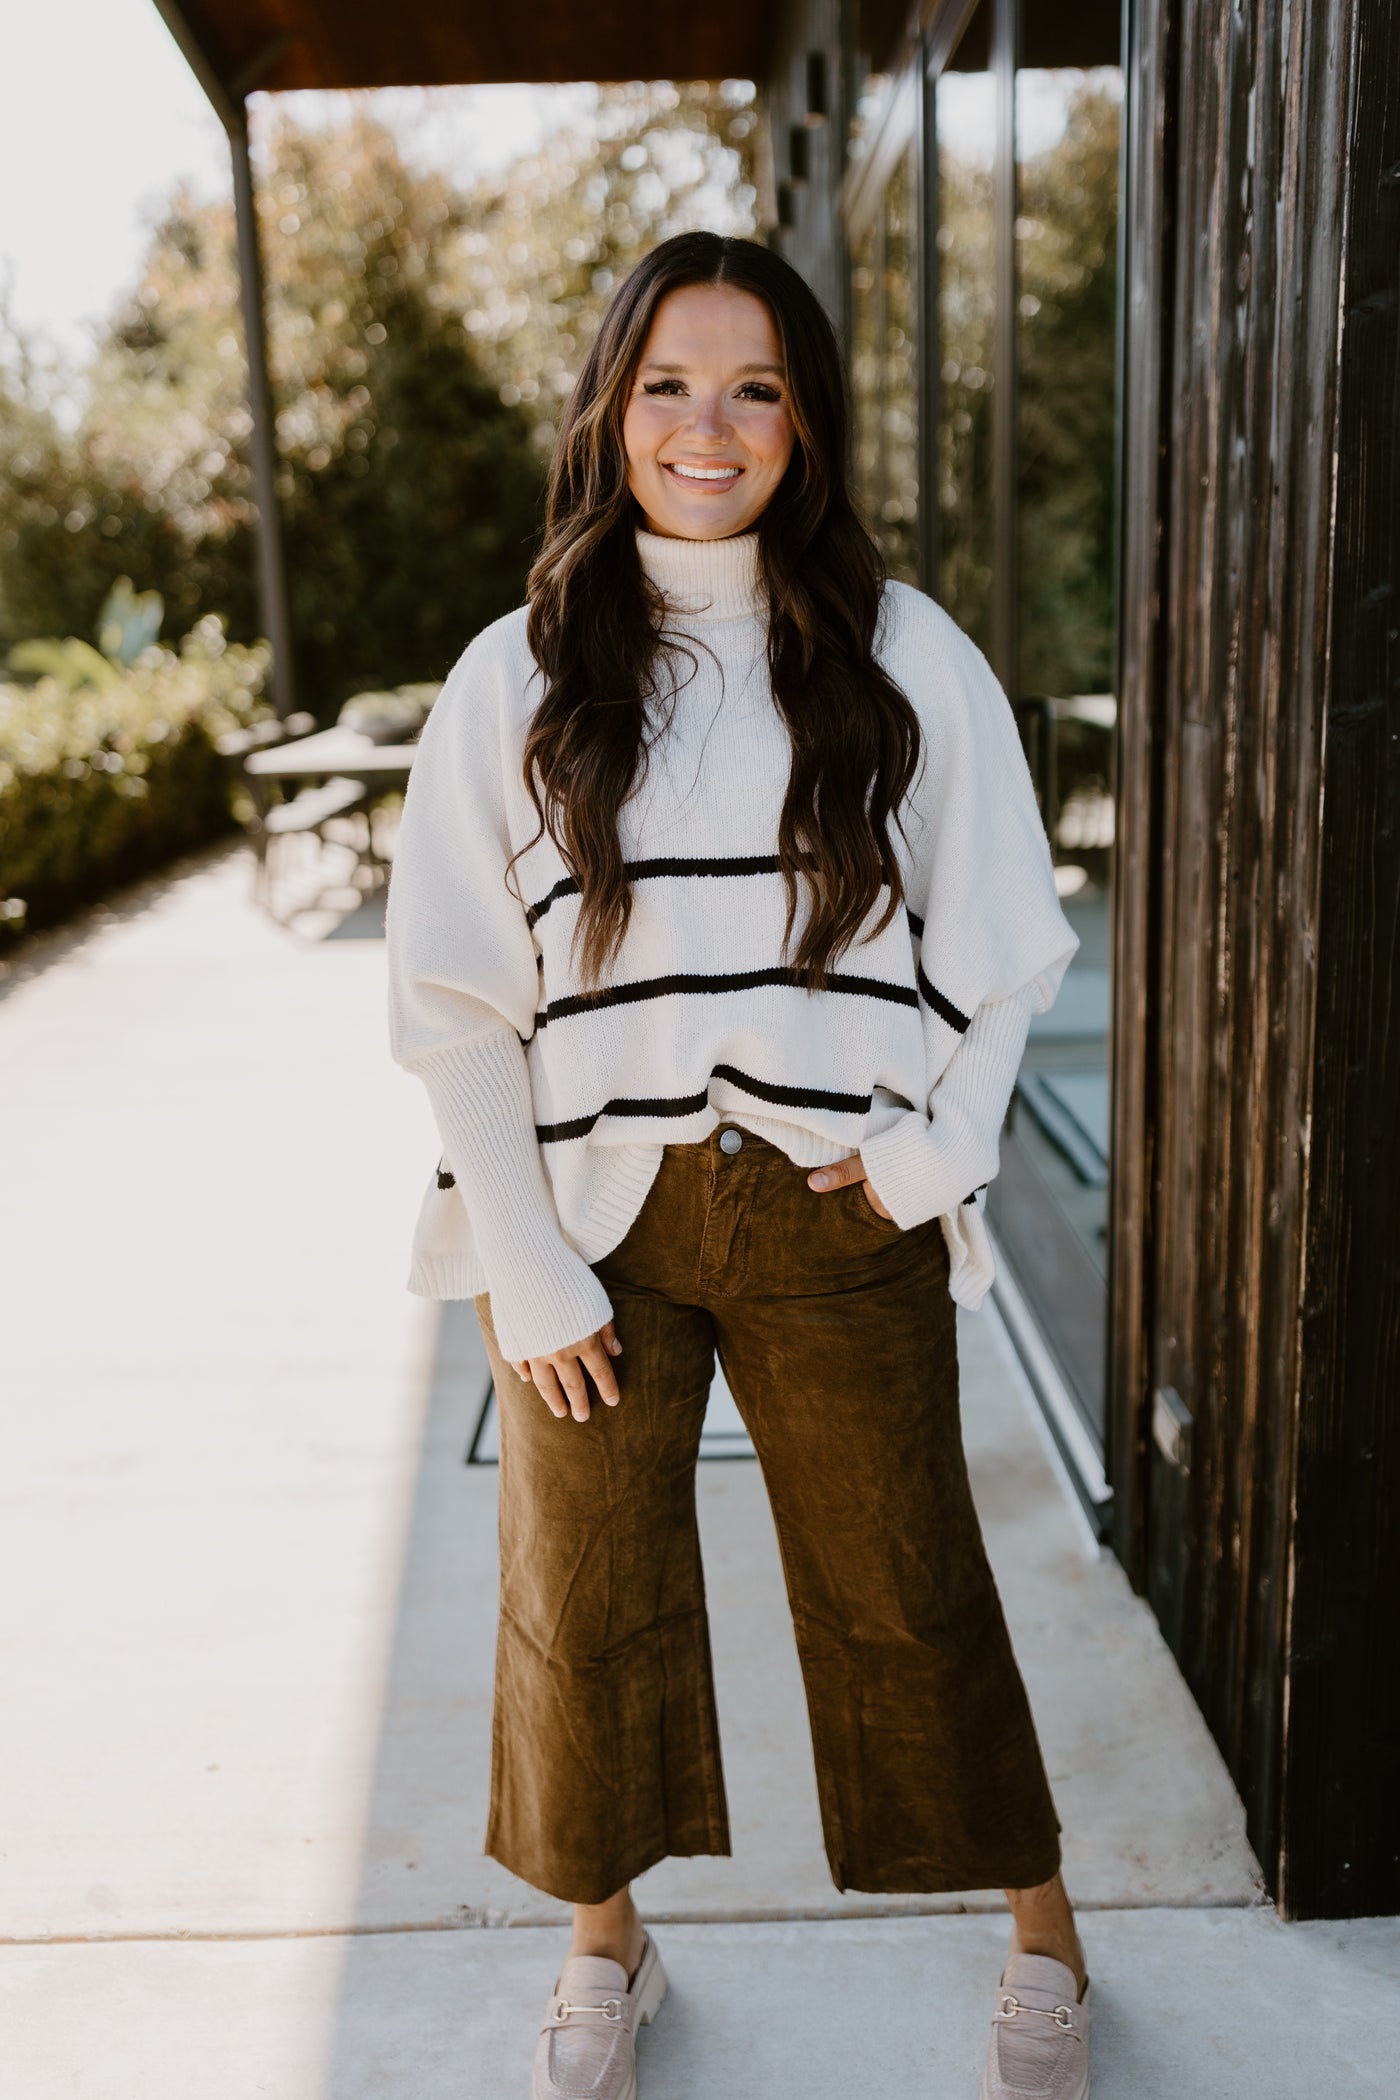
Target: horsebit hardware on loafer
{"x":611,"y":2009}
{"x":1011,"y":2005}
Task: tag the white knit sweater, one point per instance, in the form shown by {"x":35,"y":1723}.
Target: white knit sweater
{"x":553,"y":1110}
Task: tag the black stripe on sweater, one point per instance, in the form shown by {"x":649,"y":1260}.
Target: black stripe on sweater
{"x":723,"y":981}
{"x":690,"y":1104}
{"x":667,"y":864}
{"x":944,"y":1008}
{"x":721,"y":864}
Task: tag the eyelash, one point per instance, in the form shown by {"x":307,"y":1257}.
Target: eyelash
{"x":764,"y":393}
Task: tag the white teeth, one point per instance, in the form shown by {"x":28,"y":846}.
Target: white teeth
{"x":703,"y":473}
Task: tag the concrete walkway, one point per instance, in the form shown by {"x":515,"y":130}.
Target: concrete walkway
{"x":250,"y":1590}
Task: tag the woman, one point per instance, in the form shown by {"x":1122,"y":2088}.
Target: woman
{"x":720,"y":909}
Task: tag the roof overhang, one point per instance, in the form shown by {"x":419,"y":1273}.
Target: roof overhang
{"x":237,"y":46}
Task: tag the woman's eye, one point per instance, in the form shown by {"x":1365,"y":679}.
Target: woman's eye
{"x":662,"y":386}
{"x":759,"y":391}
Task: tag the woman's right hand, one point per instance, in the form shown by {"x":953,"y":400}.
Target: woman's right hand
{"x":559,"y":1375}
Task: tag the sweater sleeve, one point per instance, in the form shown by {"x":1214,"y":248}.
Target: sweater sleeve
{"x":463,"y":983}
{"x":993,"y":940}
{"x":925,"y":1166}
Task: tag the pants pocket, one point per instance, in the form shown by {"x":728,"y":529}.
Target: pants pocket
{"x":866,"y":1209}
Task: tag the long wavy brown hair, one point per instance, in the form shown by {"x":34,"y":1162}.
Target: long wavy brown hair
{"x":596,"y":627}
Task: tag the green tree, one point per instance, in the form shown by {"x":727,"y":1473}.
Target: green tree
{"x":1066,"y":225}
{"x":409,"y":490}
{"x":1068,"y":283}
{"x":421,"y":341}
{"x":544,"y":246}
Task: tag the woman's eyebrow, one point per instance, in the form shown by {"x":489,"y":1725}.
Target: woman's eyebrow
{"x":651,"y":364}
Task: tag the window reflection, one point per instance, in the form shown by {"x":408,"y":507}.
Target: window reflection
{"x":1052,"y":1207}
{"x":1067,"y":126}
{"x":965,"y":133}
{"x":884,"y":370}
{"x":898,"y":521}
{"x":1034,"y":583}
{"x":865,"y":371}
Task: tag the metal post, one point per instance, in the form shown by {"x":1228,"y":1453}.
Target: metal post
{"x":272,"y":573}
{"x":1005,"y":581}
{"x":930,"y":340}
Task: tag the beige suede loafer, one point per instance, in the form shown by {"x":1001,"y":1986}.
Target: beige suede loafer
{"x":586,"y":2049}
{"x":1039,"y":2047}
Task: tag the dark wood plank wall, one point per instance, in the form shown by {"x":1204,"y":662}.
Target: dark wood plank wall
{"x":1230,"y":894}
{"x":1341,"y":1814}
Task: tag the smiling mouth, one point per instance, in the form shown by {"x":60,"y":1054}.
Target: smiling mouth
{"x":694,"y":477}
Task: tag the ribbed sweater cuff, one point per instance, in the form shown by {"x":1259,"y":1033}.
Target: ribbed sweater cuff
{"x":923,"y":1167}
{"x":544,"y":1296}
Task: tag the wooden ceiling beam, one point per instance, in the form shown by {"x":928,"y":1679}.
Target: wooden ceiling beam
{"x":237,"y":45}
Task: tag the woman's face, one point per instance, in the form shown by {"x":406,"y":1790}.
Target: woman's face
{"x":707,"y":429}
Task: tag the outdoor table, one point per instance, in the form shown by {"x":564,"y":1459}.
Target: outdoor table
{"x":339,"y":752}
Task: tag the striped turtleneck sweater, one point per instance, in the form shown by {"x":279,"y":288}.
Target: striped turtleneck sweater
{"x":553,"y":1105}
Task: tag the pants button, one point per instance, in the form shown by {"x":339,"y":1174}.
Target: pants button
{"x":730,"y":1140}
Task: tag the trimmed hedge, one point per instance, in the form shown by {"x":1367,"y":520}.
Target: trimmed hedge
{"x":102,"y":783}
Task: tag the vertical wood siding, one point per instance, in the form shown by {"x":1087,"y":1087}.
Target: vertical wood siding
{"x":1247,"y":560}
{"x":1341,"y":1802}
{"x":1257,"y":924}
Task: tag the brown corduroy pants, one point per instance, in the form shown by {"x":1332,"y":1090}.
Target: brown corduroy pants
{"x":837,"y":1337}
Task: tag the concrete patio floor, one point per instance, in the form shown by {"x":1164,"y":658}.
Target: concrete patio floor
{"x":251,"y":1618}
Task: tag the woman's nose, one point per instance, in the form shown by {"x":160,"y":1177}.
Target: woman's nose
{"x":709,"y":419}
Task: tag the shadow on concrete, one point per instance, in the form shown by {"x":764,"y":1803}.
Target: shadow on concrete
{"x":422,"y":1814}
{"x":363,"y":922}
{"x":422,"y":1820}
{"x":33,"y":954}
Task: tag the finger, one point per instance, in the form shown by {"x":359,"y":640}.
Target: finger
{"x":610,"y":1340}
{"x":592,"y":1356}
{"x":838,"y":1173}
{"x":571,"y":1378}
{"x":548,"y":1384}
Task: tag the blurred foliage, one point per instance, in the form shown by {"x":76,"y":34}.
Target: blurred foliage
{"x":129,"y":621}
{"x":127,"y":624}
{"x":71,"y":662}
{"x":102,"y":781}
{"x":546,"y":244}
{"x":966,"y":292}
{"x":421,"y":339}
{"x":1066,"y":261}
{"x":1067,"y":265}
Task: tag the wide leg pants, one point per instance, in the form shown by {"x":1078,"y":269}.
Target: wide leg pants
{"x":837,"y":1337}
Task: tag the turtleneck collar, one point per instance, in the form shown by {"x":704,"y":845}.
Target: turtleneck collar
{"x":706,"y":580}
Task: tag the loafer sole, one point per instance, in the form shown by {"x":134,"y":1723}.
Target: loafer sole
{"x":652,"y":1986}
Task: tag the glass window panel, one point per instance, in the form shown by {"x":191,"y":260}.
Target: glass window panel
{"x":865,"y":372}
{"x":1067,"y":131}
{"x":964,"y":139}
{"x":898,"y":521}
{"x":1050,"y":1204}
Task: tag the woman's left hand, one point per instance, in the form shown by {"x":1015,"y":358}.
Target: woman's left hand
{"x":840,"y":1173}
